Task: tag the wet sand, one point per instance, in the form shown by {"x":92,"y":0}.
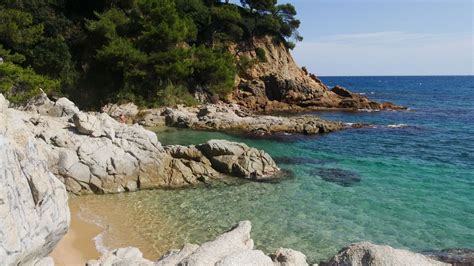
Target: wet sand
{"x":78,"y":246}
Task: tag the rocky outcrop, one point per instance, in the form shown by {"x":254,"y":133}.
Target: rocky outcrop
{"x":34,"y":214}
{"x":238,"y":159}
{"x":93,"y":153}
{"x":278,"y":83}
{"x":366,"y":253}
{"x":223,"y":117}
{"x":288,"y":257}
{"x":126,"y":112}
{"x":42,"y":105}
{"x":234,"y":247}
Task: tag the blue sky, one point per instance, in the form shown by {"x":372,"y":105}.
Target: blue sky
{"x":386,"y":37}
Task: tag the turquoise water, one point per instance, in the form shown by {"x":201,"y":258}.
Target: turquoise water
{"x":412,"y":180}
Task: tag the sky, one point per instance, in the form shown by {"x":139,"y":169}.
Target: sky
{"x":386,"y":37}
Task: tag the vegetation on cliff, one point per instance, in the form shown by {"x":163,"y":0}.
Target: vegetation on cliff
{"x":153,"y":52}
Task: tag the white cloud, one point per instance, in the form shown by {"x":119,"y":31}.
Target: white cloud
{"x":388,"y":53}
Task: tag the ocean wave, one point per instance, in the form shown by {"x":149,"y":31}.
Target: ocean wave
{"x":398,"y":126}
{"x":368,"y":110}
{"x":98,"y":239}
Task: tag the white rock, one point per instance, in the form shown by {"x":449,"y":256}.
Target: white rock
{"x":365,"y":253}
{"x":288,"y":257}
{"x":246,"y":258}
{"x":234,"y":241}
{"x":34,"y":214}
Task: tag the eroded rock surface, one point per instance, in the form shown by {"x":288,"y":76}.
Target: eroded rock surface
{"x":456,"y":257}
{"x":34,"y":214}
{"x":234,"y":247}
{"x":278,"y":83}
{"x":94,"y":153}
{"x":223,"y":117}
{"x":365,"y":253}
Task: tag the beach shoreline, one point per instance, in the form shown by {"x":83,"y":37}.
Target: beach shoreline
{"x":78,"y":245}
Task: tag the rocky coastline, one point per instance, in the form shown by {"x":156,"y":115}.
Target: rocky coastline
{"x":225,"y":118}
{"x":49,"y":148}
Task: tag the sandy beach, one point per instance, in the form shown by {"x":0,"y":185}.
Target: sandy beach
{"x":78,"y":246}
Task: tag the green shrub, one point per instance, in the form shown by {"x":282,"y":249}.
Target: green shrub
{"x":172,"y":95}
{"x":261,"y":55}
{"x":19,"y":84}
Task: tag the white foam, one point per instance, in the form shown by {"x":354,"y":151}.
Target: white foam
{"x":397,"y":125}
{"x":98,"y":239}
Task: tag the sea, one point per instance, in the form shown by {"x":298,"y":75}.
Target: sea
{"x":406,"y":181}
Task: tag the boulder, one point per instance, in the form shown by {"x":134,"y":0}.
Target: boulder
{"x":238,"y":159}
{"x":42,"y":105}
{"x":34,"y":214}
{"x":127,"y":111}
{"x":235,"y":240}
{"x":288,"y":257}
{"x":341,"y":91}
{"x":365,"y":253}
{"x":129,"y":256}
{"x":246,"y":257}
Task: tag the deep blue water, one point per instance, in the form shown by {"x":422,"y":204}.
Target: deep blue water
{"x":412,"y":176}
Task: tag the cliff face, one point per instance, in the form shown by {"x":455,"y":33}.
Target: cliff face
{"x":34,"y":214}
{"x":278,"y":83}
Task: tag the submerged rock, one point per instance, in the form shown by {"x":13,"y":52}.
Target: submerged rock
{"x":456,"y":257}
{"x":298,"y":160}
{"x":34,"y":214}
{"x":365,"y":253}
{"x":341,"y":177}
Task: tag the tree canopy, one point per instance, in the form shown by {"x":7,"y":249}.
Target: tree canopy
{"x":153,"y":52}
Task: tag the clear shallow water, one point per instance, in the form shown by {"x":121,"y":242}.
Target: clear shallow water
{"x":416,"y":186}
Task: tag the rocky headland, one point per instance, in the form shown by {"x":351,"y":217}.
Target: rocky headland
{"x":50,"y":147}
{"x":225,"y":117}
{"x":277,"y":83}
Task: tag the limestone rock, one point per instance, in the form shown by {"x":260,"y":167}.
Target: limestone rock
{"x":365,"y":253}
{"x":173,"y":257}
{"x":151,"y":118}
{"x":3,"y":104}
{"x":234,"y":241}
{"x":288,"y":257}
{"x":121,"y":257}
{"x":238,"y":159}
{"x":127,"y":111}
{"x":96,"y":154}
{"x":34,"y":214}
{"x":42,"y":105}
{"x":246,"y":257}
{"x":223,"y":117}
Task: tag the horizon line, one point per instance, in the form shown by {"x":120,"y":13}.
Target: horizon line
{"x":402,"y":75}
